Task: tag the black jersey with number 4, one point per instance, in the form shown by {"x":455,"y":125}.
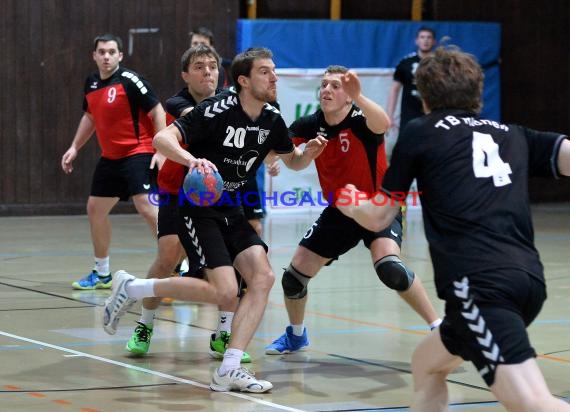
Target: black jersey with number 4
{"x":219,"y":130}
{"x":473,"y":177}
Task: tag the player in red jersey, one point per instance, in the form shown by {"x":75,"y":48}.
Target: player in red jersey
{"x":353,"y":126}
{"x":473,"y":176}
{"x":121,"y":107}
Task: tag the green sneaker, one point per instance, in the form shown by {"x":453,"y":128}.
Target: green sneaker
{"x":139,"y":343}
{"x":218,"y":347}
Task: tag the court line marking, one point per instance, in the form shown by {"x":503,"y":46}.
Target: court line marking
{"x":149,"y":371}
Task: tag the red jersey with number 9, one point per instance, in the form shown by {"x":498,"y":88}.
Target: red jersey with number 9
{"x":119,"y":106}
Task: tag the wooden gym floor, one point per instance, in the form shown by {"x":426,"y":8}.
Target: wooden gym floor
{"x":56,"y":357}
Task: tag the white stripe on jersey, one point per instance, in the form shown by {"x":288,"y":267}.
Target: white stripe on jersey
{"x":220,"y":107}
{"x":136,"y":81}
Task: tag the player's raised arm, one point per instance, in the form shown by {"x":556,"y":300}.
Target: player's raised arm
{"x":299,"y":159}
{"x":376,"y":118}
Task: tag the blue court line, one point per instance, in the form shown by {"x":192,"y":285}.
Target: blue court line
{"x":551,"y":322}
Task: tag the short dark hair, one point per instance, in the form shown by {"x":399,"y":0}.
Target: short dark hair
{"x":450,"y":79}
{"x":335,"y":68}
{"x":203,"y":31}
{"x":108,"y":37}
{"x":243,"y":63}
{"x":424,"y":28}
{"x":197,"y":51}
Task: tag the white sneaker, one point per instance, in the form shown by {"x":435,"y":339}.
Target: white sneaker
{"x":118,"y":303}
{"x":240,"y":379}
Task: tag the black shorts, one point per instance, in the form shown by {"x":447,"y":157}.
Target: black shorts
{"x":123,"y":178}
{"x":169,"y":219}
{"x":486,"y":316}
{"x":216,"y":238}
{"x":171,"y":223}
{"x":251,"y":200}
{"x":334,"y":234}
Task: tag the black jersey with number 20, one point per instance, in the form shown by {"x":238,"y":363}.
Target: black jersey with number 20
{"x":219,"y":130}
{"x":473,"y":177}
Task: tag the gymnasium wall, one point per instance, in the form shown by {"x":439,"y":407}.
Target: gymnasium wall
{"x":46,"y":54}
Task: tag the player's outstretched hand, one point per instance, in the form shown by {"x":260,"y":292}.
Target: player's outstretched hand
{"x":315,"y":147}
{"x":351,"y":84}
{"x":158,"y":160}
{"x":273,"y":169}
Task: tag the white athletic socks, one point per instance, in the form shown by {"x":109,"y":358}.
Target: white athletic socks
{"x":147,"y":316}
{"x":140,"y":288}
{"x":102,"y":266}
{"x":232,"y":360}
{"x":298,"y":329}
{"x":224,"y":323}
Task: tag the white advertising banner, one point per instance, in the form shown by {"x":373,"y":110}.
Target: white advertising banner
{"x":298,"y":91}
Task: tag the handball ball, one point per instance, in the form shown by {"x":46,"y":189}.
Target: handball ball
{"x":203,"y":189}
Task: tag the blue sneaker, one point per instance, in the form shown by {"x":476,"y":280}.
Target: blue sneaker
{"x":93,"y":281}
{"x":288,"y":343}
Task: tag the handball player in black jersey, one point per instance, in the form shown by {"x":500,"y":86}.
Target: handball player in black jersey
{"x":232,"y":132}
{"x":405,"y":81}
{"x":473,"y":177}
{"x":199,"y":70}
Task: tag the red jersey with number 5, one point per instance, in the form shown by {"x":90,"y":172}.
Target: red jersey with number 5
{"x":354,"y":154}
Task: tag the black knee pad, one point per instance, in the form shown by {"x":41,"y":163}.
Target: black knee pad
{"x":393,"y":273}
{"x":294,"y":283}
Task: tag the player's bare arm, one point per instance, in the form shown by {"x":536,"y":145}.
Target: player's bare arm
{"x":377,"y":119}
{"x":158,"y":116}
{"x":85,"y":130}
{"x":299,"y":159}
{"x":392,"y":99}
{"x":167,"y":141}
{"x":272,"y":164}
{"x":374,"y":215}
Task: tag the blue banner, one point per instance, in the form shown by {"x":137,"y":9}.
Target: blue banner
{"x":372,"y":44}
